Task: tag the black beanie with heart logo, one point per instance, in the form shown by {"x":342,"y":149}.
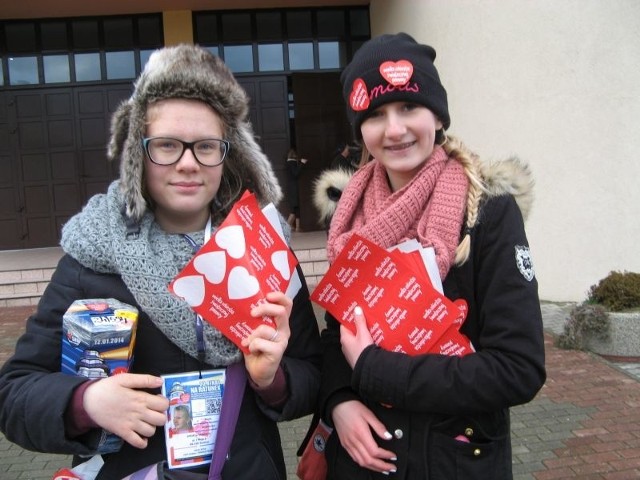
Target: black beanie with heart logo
{"x":392,"y":68}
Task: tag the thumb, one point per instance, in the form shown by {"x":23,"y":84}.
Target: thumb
{"x":359,"y":321}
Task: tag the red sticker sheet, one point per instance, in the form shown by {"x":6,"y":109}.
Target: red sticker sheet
{"x":403,"y":311}
{"x":244,"y":259}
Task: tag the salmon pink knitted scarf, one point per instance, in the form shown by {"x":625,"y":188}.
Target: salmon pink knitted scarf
{"x":429,"y":208}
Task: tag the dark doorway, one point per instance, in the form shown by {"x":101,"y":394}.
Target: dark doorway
{"x":320,"y":125}
{"x":269,"y":117}
{"x":53,"y":147}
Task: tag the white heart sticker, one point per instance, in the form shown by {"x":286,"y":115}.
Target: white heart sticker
{"x":232,"y":240}
{"x":213,"y":265}
{"x":242,"y":284}
{"x":280,"y":261}
{"x":191,"y":288}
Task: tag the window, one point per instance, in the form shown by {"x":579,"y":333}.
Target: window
{"x":236,"y":27}
{"x":286,"y":40}
{"x":270,"y":58}
{"x":54,"y":36}
{"x":299,"y":24}
{"x":206,"y":28}
{"x":150,"y":31}
{"x":359,"y":23}
{"x":331,"y":24}
{"x":20,"y":37}
{"x":301,"y":56}
{"x":331,"y":55}
{"x":87,"y":67}
{"x":118,"y":32}
{"x":77,"y":49}
{"x":23,"y":71}
{"x":56,"y":68}
{"x":269,"y":26}
{"x":85,"y":34}
{"x":120,"y":65}
{"x":239,"y":58}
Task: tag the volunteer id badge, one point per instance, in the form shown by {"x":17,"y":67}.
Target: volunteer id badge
{"x":195,"y":399}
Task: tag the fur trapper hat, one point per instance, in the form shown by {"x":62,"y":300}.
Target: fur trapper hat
{"x":190,"y":72}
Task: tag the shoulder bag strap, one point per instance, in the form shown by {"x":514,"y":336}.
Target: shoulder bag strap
{"x":234,"y":385}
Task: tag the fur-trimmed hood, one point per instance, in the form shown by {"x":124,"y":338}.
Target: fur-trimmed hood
{"x":510,"y":176}
{"x":189,"y":72}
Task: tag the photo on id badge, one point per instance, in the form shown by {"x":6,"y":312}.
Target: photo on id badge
{"x":195,"y":399}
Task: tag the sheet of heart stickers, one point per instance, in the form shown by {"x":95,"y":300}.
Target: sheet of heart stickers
{"x":403,"y":310}
{"x":245,"y":258}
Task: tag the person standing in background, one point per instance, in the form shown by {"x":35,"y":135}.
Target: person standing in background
{"x":295,"y":164}
{"x":347,"y":158}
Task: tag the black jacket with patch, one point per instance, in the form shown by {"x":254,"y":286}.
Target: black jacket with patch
{"x":427,"y":401}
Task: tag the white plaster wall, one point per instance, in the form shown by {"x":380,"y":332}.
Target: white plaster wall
{"x":558,"y":84}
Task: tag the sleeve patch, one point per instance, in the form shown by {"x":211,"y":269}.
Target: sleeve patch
{"x":524,"y":262}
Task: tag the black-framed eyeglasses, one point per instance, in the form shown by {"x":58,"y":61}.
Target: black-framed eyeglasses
{"x":209,"y":152}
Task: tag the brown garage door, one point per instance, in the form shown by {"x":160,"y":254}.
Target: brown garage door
{"x":52,"y":158}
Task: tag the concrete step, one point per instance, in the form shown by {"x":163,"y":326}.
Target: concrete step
{"x":24,"y":274}
{"x":23,"y":287}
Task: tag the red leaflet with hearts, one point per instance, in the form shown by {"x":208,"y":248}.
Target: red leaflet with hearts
{"x":244,"y":259}
{"x":404,"y":312}
{"x":396,"y":73}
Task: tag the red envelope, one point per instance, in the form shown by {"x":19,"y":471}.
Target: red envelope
{"x":404,"y":312}
{"x":244,"y":259}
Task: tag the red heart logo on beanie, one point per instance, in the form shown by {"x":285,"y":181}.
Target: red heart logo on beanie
{"x":396,"y":73}
{"x":359,"y":97}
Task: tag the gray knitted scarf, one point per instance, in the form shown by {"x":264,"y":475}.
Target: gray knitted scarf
{"x":97,"y":238}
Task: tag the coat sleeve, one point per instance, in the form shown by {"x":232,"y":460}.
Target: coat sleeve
{"x":301,"y":361}
{"x":507,"y":368}
{"x":33,"y":392}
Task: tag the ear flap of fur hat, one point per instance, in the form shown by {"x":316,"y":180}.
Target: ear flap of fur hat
{"x":187,"y":72}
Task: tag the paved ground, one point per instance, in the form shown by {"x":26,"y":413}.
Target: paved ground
{"x":584,"y":423}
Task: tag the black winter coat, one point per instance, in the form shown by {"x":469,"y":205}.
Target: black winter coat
{"x":435,"y":398}
{"x":34,"y":394}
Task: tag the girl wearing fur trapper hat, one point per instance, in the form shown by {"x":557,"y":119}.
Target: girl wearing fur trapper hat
{"x":186,"y":154}
{"x":429,"y":416}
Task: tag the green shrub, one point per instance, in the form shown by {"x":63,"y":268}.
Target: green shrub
{"x":618,"y":291}
{"x":585,"y":321}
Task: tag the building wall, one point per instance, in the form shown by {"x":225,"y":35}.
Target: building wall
{"x":177,"y":27}
{"x":557,"y":84}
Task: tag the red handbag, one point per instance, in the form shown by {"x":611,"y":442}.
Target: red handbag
{"x":313,"y":463}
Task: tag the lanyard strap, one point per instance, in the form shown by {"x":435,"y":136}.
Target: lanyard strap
{"x":199,"y":324}
{"x":207,"y":235}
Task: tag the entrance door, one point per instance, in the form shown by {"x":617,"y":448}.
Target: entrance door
{"x":52,"y":158}
{"x":270,"y":119}
{"x":321,"y":124}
